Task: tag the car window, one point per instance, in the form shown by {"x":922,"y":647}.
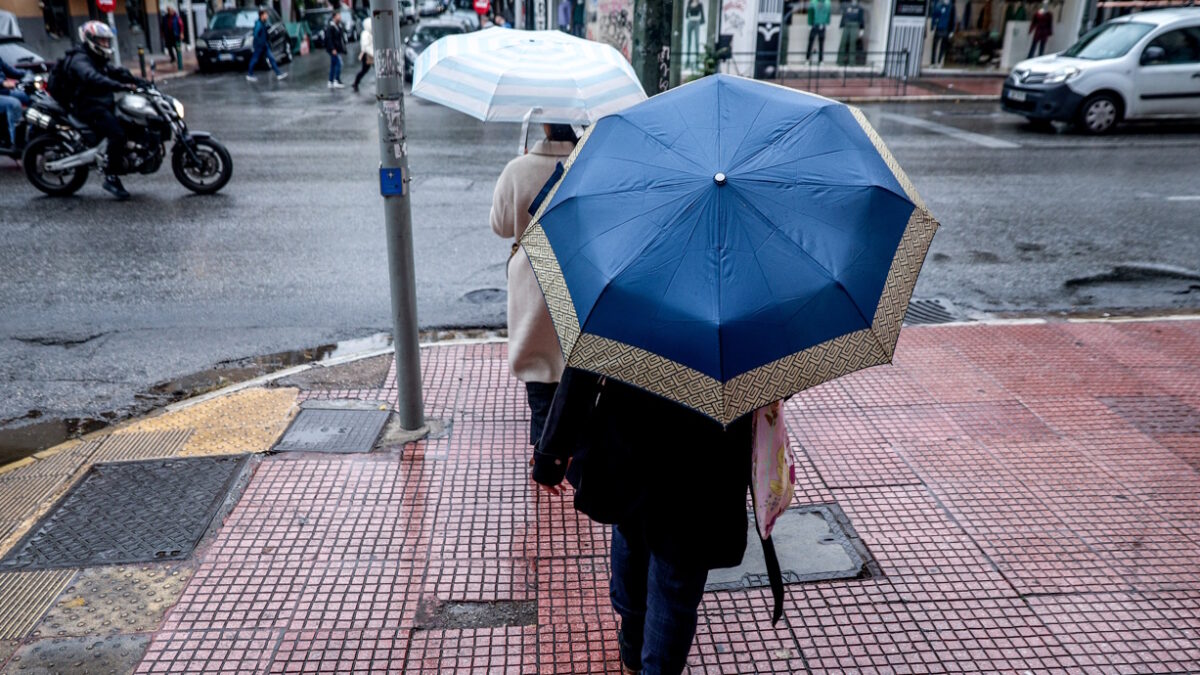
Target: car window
{"x":1179,"y":46}
{"x":233,"y":20}
{"x":1109,"y":41}
{"x":431,"y":33}
{"x":316,"y":21}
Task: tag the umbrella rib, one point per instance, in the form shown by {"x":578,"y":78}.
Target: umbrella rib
{"x":769,"y":144}
{"x":806,"y":254}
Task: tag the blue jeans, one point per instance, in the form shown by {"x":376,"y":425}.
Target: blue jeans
{"x":335,"y":67}
{"x":657,"y":601}
{"x":10,"y":107}
{"x":259,"y":52}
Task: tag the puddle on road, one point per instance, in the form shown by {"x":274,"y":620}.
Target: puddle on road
{"x":34,"y":432}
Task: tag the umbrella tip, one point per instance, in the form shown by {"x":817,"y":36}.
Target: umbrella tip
{"x":719,"y":179}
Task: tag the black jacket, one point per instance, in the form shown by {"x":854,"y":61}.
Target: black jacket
{"x":637,"y":458}
{"x":335,"y":38}
{"x":94,"y":79}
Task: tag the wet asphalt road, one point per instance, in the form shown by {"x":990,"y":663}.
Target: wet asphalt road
{"x":100,"y":300}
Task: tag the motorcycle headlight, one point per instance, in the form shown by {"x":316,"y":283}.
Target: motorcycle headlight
{"x":178,"y":107}
{"x":1062,"y":75}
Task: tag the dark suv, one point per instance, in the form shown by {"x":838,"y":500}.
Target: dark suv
{"x":230,"y":39}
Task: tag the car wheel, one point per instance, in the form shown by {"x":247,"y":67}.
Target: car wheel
{"x":1099,"y":114}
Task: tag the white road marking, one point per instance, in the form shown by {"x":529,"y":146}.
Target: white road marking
{"x":1184,"y":198}
{"x":953,"y":132}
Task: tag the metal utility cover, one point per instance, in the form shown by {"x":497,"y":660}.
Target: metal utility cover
{"x":129,"y":512}
{"x":337,"y":431}
{"x":811,"y":543}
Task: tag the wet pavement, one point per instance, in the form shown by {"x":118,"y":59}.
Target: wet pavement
{"x":105,"y":305}
{"x":1026,"y":492}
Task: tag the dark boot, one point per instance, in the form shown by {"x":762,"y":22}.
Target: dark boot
{"x":113,"y":185}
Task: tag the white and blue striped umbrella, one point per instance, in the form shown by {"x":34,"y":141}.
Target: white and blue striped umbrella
{"x":501,"y":74}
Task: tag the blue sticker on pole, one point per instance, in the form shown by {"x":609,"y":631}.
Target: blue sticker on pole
{"x":391,"y":182}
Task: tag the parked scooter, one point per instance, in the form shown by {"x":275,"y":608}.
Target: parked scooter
{"x":58,"y":159}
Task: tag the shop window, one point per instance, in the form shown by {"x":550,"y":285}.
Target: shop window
{"x":57,"y":18}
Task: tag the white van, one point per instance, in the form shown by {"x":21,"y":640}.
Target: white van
{"x":1140,"y":66}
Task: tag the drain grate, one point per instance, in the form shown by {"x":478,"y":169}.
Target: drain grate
{"x":333,"y":430}
{"x":931,"y":311}
{"x":129,"y":512}
{"x":813,"y":543}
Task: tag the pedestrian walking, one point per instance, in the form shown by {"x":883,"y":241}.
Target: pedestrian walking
{"x":172,"y":34}
{"x":335,"y":44}
{"x":262,"y":48}
{"x":564,"y":15}
{"x":366,"y":52}
{"x":534,"y":355}
{"x":638,"y":462}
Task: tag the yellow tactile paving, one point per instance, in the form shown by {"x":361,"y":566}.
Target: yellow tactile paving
{"x":246,"y":421}
{"x":25,"y":597}
{"x":132,"y":445}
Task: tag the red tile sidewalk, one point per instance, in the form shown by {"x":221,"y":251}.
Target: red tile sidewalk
{"x":1030,"y":493}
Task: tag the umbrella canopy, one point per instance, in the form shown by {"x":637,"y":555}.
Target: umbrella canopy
{"x":500,"y":74}
{"x":729,"y":243}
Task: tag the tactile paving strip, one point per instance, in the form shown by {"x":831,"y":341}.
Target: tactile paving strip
{"x":334,"y":431}
{"x":129,"y":512}
{"x":120,"y":599}
{"x":142,"y":445}
{"x":24,"y":598}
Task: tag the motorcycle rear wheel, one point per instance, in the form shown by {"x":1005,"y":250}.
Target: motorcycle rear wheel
{"x":45,"y":149}
{"x":213,"y":171}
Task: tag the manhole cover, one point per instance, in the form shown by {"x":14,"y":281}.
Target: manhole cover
{"x":129,"y":512}
{"x":930,"y":312}
{"x":483,"y":296}
{"x":337,"y":431}
{"x":812,"y":545}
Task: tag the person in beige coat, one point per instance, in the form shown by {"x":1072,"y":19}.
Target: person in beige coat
{"x":534,"y":355}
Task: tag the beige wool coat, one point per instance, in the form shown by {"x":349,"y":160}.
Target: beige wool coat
{"x":533,"y":351}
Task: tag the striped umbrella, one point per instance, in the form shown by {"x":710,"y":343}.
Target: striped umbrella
{"x":502,"y":74}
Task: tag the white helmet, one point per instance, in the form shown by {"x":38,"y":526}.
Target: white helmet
{"x":97,"y":37}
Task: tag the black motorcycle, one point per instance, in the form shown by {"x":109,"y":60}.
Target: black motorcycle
{"x":58,"y":159}
{"x":30,"y":84}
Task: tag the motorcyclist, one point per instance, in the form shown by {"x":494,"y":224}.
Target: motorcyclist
{"x":94,"y":80}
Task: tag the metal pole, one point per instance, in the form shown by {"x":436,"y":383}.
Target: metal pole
{"x":191,"y":28}
{"x":112,"y":23}
{"x":142,"y":60}
{"x":394,"y":185}
{"x":676,"y":60}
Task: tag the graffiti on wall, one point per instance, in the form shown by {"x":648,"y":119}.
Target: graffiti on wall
{"x":739,"y":18}
{"x":612,"y":24}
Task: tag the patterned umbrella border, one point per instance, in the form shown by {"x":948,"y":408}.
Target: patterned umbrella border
{"x":770,"y":382}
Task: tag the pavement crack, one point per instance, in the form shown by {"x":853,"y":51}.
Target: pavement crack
{"x":65,"y":341}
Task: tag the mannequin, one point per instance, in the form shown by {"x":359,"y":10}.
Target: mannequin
{"x":819,"y":13}
{"x":1042,"y":27}
{"x":854,"y":21}
{"x":941,"y":22}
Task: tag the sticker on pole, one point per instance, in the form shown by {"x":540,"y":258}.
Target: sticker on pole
{"x":391,"y":182}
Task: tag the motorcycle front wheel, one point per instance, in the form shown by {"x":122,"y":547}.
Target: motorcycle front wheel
{"x":45,"y":149}
{"x":210,"y":173}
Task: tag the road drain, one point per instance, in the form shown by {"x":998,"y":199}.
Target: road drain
{"x":433,"y":613}
{"x":932,"y":311}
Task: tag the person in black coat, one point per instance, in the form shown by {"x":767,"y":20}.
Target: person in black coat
{"x":335,"y":44}
{"x":673,"y":483}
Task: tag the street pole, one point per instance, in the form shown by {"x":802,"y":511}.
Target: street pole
{"x":394,"y":185}
{"x":677,"y":56}
{"x":191,"y":28}
{"x":652,"y":44}
{"x":112,"y":23}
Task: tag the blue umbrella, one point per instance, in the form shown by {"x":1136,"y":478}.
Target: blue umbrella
{"x":729,"y":243}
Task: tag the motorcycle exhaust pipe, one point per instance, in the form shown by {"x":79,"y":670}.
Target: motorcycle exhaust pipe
{"x":74,"y":161}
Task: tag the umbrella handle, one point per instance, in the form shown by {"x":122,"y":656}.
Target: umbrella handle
{"x":525,"y":131}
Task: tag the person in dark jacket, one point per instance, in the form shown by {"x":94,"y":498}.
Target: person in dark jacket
{"x":11,"y":99}
{"x":673,"y":483}
{"x":335,"y":44}
{"x":172,"y":33}
{"x":262,"y":47}
{"x":94,"y":80}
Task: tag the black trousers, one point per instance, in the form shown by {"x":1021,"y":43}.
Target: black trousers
{"x":817,"y":32}
{"x":104,"y":123}
{"x":363,"y":71}
{"x":539,"y":394}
